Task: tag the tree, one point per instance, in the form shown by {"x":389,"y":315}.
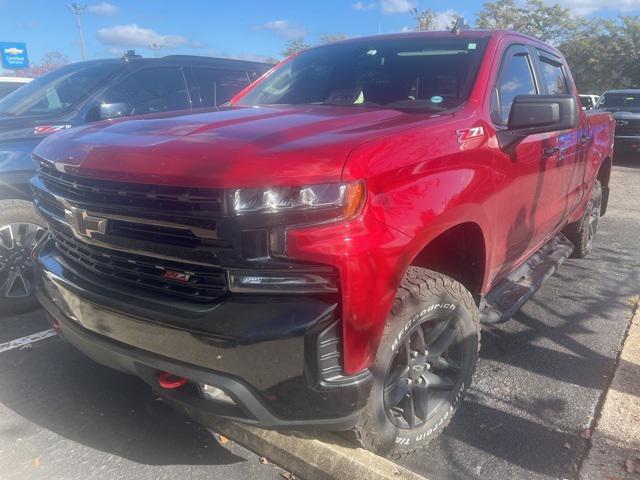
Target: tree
{"x":549,"y":23}
{"x":50,"y":61}
{"x":604,"y":54}
{"x":333,"y":37}
{"x":425,"y":19}
{"x":294,"y":46}
{"x":601,"y":53}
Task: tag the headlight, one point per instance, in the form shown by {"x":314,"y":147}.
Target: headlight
{"x":622,"y":123}
{"x":345,"y":198}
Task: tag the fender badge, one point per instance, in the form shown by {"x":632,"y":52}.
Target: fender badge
{"x":48,"y":129}
{"x":469,"y":134}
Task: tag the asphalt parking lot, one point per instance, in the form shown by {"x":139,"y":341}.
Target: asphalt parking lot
{"x":538,"y":385}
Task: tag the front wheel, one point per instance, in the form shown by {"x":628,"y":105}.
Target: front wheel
{"x":424,"y":364}
{"x":20,"y":229}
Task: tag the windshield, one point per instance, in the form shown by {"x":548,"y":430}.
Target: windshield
{"x":58,"y":90}
{"x":414,"y":74}
{"x":620,"y":102}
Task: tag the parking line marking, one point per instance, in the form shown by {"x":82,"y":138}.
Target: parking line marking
{"x":28,"y":340}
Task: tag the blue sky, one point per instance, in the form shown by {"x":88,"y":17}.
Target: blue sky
{"x":243,"y":28}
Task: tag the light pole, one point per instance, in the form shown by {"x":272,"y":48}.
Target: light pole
{"x":155,"y":46}
{"x":78,"y":10}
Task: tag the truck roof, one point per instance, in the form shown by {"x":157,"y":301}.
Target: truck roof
{"x":179,"y":58}
{"x":467,"y":33}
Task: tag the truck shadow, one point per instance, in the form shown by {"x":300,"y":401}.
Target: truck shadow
{"x":54,"y":386}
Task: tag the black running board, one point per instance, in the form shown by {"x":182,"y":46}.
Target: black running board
{"x":506,"y":298}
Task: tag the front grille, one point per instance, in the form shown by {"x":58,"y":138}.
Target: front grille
{"x":628,"y":127}
{"x":196,"y":283}
{"x":169,"y":200}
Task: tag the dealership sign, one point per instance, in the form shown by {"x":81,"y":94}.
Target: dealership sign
{"x":14,"y":55}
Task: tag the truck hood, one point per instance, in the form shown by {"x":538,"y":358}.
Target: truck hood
{"x":621,"y":114}
{"x":232,"y":147}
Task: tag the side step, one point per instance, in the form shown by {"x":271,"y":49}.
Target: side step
{"x":506,"y":298}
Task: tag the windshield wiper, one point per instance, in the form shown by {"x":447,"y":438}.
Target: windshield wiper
{"x":338,"y":104}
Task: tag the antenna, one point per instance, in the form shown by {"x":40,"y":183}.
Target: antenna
{"x":459,"y":26}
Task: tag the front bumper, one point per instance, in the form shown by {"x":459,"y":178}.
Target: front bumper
{"x":627,"y":143}
{"x":274,"y":356}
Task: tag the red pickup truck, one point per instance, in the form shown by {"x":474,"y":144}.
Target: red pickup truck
{"x":320,"y":252}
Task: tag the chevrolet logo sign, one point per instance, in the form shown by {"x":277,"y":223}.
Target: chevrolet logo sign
{"x":84,"y":224}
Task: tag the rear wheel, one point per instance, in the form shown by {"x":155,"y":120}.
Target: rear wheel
{"x":20,"y":229}
{"x":582,"y":233}
{"x":424,"y":365}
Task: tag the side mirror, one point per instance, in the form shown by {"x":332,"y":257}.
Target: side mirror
{"x":114,"y":110}
{"x":533,"y":114}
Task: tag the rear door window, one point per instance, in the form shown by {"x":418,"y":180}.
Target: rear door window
{"x":151,"y":90}
{"x":515,"y":78}
{"x":213,"y":87}
{"x":553,"y":76}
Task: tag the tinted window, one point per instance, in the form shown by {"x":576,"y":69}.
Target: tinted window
{"x":411,"y":74}
{"x":620,"y":101}
{"x":58,"y":90}
{"x":151,"y":90}
{"x":7,"y":88}
{"x":215,"y":87}
{"x":516,"y":78}
{"x":586,"y":102}
{"x":553,"y":77}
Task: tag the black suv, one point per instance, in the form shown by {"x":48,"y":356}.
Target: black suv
{"x":625,"y":105}
{"x":87,"y":92}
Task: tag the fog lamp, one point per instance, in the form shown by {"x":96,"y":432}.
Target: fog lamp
{"x":211,"y":392}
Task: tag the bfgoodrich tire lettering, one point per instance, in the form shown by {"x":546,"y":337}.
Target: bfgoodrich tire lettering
{"x":416,"y":364}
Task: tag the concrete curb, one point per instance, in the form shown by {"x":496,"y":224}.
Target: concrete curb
{"x":615,"y":443}
{"x":319,"y":457}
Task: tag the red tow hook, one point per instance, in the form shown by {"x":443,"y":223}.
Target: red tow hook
{"x":170,"y":381}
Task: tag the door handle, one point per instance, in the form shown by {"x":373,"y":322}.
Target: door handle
{"x":584,"y":139}
{"x":551,"y":151}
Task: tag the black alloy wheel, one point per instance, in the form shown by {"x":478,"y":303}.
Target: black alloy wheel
{"x":423,"y":367}
{"x":16,"y":266}
{"x":423,"y":373}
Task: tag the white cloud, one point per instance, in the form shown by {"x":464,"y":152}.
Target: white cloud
{"x":284,"y":28}
{"x":103,"y":9}
{"x":587,"y":7}
{"x":134,"y":36}
{"x":363,"y":7}
{"x":396,"y":6}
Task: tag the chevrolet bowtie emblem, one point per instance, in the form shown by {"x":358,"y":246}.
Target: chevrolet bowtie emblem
{"x":82,"y":223}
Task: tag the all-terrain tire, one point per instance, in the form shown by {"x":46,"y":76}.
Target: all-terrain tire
{"x":12,"y":213}
{"x":424,"y":300}
{"x":582,"y":233}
